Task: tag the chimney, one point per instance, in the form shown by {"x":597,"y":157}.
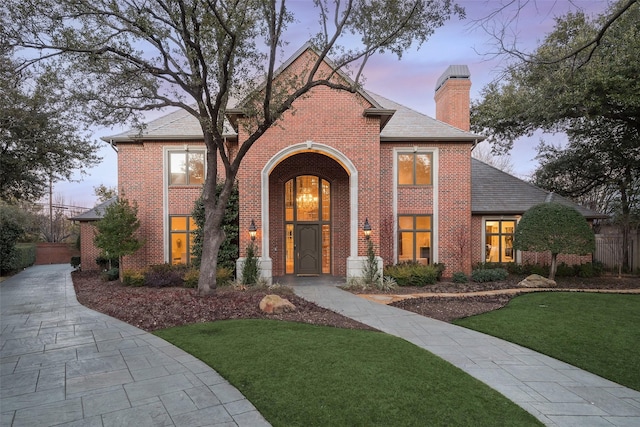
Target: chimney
{"x":453,"y":97}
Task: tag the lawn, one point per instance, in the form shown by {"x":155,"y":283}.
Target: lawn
{"x":596,"y":332}
{"x":301,"y":374}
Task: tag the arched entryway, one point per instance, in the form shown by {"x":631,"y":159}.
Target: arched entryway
{"x":309,"y":210}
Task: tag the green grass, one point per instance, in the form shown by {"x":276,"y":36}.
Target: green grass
{"x":305,"y":375}
{"x":596,"y":332}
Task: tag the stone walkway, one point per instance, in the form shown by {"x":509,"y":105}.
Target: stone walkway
{"x":556,"y":393}
{"x":63,"y":364}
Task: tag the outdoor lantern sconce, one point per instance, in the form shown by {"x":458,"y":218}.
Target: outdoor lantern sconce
{"x":367,"y":229}
{"x":253,"y":230}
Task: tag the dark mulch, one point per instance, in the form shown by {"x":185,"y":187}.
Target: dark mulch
{"x":157,"y":308}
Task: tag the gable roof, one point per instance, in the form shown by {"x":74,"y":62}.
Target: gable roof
{"x":398,"y":122}
{"x":409,"y":125}
{"x":95,"y":213}
{"x":494,"y":192}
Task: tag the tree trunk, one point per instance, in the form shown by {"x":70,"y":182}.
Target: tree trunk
{"x":214,"y":210}
{"x":554,"y":265}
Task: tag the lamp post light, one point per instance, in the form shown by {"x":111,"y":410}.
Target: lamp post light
{"x":253,"y":230}
{"x":366,"y":228}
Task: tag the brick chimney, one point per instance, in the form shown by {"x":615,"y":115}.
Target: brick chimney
{"x":453,"y":98}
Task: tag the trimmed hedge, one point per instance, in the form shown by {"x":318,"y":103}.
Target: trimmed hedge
{"x":26,"y":256}
{"x":412,"y":274}
{"x":489,"y":275}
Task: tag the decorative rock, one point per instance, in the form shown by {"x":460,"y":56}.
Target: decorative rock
{"x":537,"y":281}
{"x":274,"y":304}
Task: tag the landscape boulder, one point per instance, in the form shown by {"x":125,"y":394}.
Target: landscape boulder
{"x":537,"y":281}
{"x":274,"y":304}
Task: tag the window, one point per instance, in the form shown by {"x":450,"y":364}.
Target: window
{"x":499,"y":240}
{"x":414,"y":168}
{"x":414,"y":238}
{"x":186,"y":167}
{"x":181,"y":230}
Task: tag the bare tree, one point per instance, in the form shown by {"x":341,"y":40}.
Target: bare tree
{"x":503,"y":162}
{"x":501,"y":23}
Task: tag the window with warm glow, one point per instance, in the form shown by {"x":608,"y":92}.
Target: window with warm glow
{"x":414,"y":168}
{"x":181,"y":230}
{"x":414,"y":238}
{"x":499,"y":240}
{"x":186,"y":167}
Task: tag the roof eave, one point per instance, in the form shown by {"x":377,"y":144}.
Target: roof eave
{"x":138,"y":138}
{"x":470,"y":138}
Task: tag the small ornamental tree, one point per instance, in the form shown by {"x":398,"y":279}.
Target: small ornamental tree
{"x":116,"y":230}
{"x":556,"y":228}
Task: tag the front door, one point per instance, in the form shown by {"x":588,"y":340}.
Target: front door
{"x":308,"y":248}
{"x":308,"y":226}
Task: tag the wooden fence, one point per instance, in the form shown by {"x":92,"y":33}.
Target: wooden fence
{"x":609,"y":250}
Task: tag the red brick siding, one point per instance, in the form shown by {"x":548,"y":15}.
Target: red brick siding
{"x":330,"y":117}
{"x":55,"y":253}
{"x":453,"y":103}
{"x":88,"y":251}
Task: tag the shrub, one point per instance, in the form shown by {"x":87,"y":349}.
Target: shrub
{"x":489,"y":275}
{"x":133,"y":278}
{"x":564,"y":270}
{"x":26,"y":255}
{"x":224,"y":276}
{"x":370,"y":273}
{"x":191,"y":278}
{"x":459,"y":277}
{"x":110,"y":275}
{"x":588,"y":270}
{"x":250,"y":268}
{"x":412,"y":274}
{"x":103,"y":262}
{"x":440,"y":267}
{"x":164,"y":275}
{"x":388,"y":284}
{"x":75,"y":261}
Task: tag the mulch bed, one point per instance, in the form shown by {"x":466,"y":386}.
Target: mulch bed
{"x":158,"y":308}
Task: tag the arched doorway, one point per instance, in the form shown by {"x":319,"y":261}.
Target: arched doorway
{"x":307,"y":205}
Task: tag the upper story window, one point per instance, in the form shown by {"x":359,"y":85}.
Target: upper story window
{"x":186,"y":167}
{"x":415,"y":168}
{"x":499,"y":240}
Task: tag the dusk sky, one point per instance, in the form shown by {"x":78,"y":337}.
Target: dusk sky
{"x":410,"y":81}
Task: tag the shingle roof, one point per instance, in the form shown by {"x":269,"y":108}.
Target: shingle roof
{"x":96,"y":213}
{"x":405,"y":125}
{"x":409,"y":125}
{"x":494,"y":192}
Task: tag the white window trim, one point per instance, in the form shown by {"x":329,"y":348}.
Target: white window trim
{"x":435,"y":177}
{"x":166,"y":233}
{"x":516,"y":218}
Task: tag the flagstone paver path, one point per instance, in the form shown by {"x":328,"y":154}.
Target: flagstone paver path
{"x":64,"y":364}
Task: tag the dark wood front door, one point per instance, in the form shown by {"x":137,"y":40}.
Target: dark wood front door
{"x":308,"y":249}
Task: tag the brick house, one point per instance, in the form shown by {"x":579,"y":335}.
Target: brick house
{"x":336,"y":160}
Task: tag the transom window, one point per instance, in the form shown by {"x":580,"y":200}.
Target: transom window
{"x":415,"y":168}
{"x":414,"y":238}
{"x":186,"y":167}
{"x":499,"y":240}
{"x":181,"y":228}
